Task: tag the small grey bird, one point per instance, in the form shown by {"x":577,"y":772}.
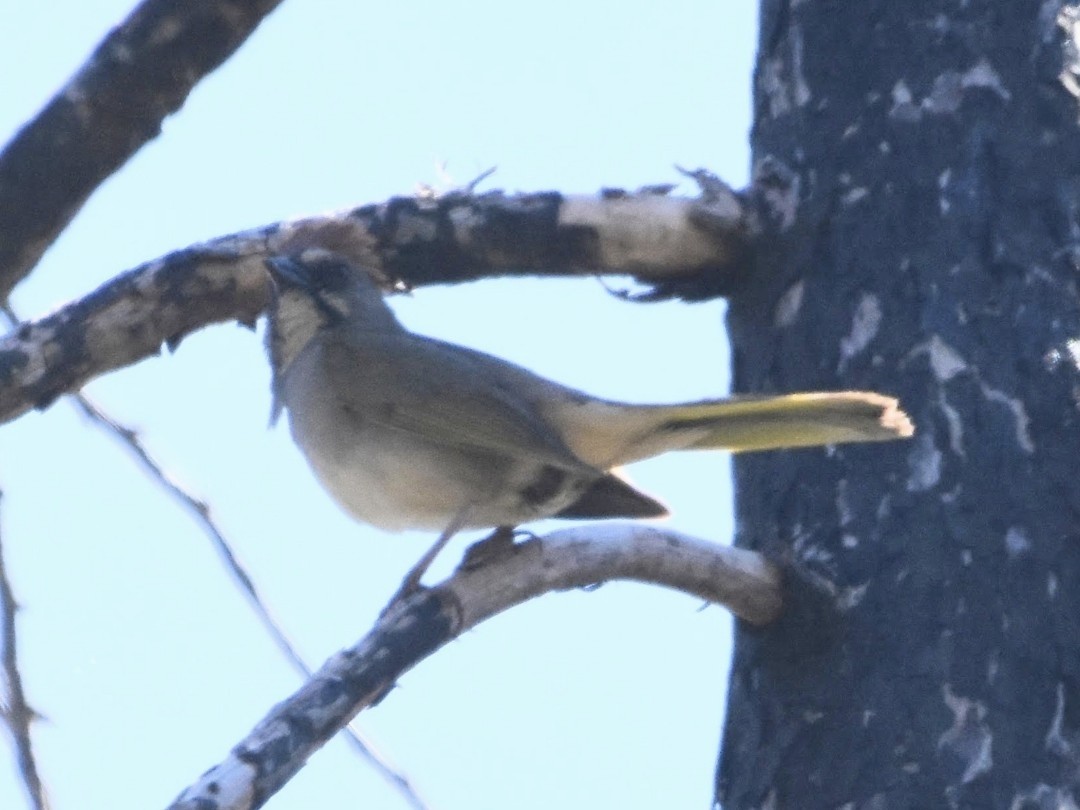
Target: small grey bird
{"x":409,"y":432}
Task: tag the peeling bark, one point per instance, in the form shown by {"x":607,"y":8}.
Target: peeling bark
{"x":409,"y":631}
{"x":692,"y":247}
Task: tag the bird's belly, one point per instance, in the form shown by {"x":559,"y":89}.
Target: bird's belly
{"x":395,"y":481}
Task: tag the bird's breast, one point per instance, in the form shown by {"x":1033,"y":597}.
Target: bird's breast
{"x":396,"y":479}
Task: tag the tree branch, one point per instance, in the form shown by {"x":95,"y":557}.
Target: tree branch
{"x":15,"y":711}
{"x":200,"y":512}
{"x":691,"y":246}
{"x":411,"y":630}
{"x":139,"y":74}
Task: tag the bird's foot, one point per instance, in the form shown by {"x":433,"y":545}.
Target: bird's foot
{"x":495,"y":546}
{"x":411,"y":583}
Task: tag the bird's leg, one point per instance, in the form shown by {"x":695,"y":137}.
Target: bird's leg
{"x":412,"y":579}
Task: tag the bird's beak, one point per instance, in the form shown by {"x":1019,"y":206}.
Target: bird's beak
{"x":288,"y":273}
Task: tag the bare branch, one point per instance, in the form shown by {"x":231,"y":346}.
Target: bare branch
{"x":411,"y":630}
{"x":125,"y":320}
{"x":139,"y":74}
{"x":200,"y":511}
{"x":448,"y":239}
{"x":16,"y":713}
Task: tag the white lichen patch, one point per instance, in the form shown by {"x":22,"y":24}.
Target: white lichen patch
{"x":1043,"y":795}
{"x":643,"y":231}
{"x":1073,"y":349}
{"x":982,"y":74}
{"x":864,"y":328}
{"x":945,"y":364}
{"x":945,"y":361}
{"x":946,"y":92}
{"x":1048,"y":25}
{"x":849,"y":598}
{"x":466,"y":220}
{"x":924,"y":464}
{"x":417,"y":229}
{"x":1017,"y":541}
{"x":1022,"y":422}
{"x":943,"y":185}
{"x":843,"y":508}
{"x":953,"y":423}
{"x":168,"y":29}
{"x":1068,"y":353}
{"x":772,"y":86}
{"x":855,"y":195}
{"x":814,"y":553}
{"x":969,"y":739}
{"x":903,"y":103}
{"x":1056,"y":742}
{"x":787,"y":308}
{"x":781,"y":79}
{"x":228,"y":784}
{"x":800,"y":89}
{"x":781,"y":198}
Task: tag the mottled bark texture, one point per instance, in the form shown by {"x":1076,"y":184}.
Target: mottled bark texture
{"x":923,"y":167}
{"x":486,"y":584}
{"x":686,"y":247}
{"x":139,"y":74}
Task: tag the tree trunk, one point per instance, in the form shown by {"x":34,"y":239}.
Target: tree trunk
{"x":919,"y":164}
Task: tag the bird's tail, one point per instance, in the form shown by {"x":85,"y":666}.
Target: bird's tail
{"x":625,"y":433}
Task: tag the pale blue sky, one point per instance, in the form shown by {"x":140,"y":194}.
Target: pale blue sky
{"x":146,"y":662}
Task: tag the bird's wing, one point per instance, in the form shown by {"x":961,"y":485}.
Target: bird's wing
{"x":611,"y":496}
{"x":445,"y":394}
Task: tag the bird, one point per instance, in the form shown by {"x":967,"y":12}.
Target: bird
{"x":406,"y":431}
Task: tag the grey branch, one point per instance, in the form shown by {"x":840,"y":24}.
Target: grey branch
{"x":200,"y":511}
{"x":695,"y":247}
{"x":139,"y":74}
{"x":15,"y":712}
{"x":413,"y":629}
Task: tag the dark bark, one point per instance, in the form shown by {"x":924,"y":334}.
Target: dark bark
{"x":139,"y":74}
{"x":922,"y":167}
{"x":686,"y":247}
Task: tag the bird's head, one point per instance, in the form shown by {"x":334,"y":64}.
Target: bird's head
{"x":314,"y":292}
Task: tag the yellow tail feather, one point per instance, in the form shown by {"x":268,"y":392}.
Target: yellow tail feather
{"x":608,"y":434}
{"x":797,"y":420}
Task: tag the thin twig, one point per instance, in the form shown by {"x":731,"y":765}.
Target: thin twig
{"x":16,"y":713}
{"x":200,"y":511}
